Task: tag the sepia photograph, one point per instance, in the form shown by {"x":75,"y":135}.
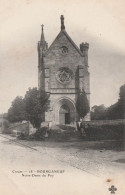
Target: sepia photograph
{"x":62,"y":97}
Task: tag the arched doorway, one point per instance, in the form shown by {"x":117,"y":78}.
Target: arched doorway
{"x":65,"y":107}
{"x":64,"y":114}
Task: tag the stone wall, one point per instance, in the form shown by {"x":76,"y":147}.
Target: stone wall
{"x":56,"y":59}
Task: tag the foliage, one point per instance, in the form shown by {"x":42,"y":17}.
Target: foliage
{"x":105,"y":131}
{"x":115,"y":111}
{"x":39,"y":134}
{"x":98,"y":112}
{"x":17,"y":111}
{"x":122,"y":92}
{"x":36,"y":103}
{"x":31,"y":107}
{"x":82,"y":104}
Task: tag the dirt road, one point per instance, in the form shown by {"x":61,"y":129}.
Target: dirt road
{"x":29,"y":168}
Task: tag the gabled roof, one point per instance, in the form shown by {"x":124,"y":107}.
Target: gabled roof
{"x":70,"y":40}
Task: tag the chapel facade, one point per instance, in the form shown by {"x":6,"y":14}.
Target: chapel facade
{"x":63,"y":73}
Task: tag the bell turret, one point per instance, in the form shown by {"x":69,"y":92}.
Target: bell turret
{"x":84,"y":49}
{"x":42,"y":48}
{"x":43,"y":44}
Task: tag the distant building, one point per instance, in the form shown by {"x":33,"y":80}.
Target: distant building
{"x":3,"y":117}
{"x":63,"y":72}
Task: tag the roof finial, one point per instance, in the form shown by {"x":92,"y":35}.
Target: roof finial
{"x":42,"y":35}
{"x":62,"y":22}
{"x":42,"y":27}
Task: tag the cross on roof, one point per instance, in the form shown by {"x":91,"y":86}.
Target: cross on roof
{"x":62,"y":22}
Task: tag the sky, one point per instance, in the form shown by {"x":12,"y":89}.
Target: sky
{"x":101,"y":23}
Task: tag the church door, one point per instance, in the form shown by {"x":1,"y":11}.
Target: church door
{"x":64,"y":115}
{"x":67,"y":118}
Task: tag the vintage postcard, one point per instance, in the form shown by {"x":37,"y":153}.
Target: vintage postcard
{"x":62,"y":97}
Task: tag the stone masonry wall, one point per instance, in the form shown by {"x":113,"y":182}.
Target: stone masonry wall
{"x":54,"y":60}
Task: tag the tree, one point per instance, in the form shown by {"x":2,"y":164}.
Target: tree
{"x":98,"y":112}
{"x":122,"y":92}
{"x":17,"y":111}
{"x":36,"y":103}
{"x":82,"y":104}
{"x":115,"y":111}
{"x":32,"y":107}
{"x":122,"y":100}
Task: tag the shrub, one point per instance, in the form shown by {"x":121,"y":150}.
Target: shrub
{"x":105,"y":132}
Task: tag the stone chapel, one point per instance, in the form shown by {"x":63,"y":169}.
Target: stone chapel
{"x":63,"y":72}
